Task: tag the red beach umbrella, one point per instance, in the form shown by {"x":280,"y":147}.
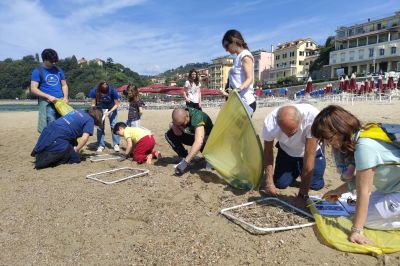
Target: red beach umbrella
{"x":366,"y":86}
{"x":371,"y":85}
{"x":309,"y":86}
{"x":380,"y":83}
{"x":346,"y":84}
{"x":341,"y":84}
{"x":362,"y":89}
{"x":353,"y":83}
{"x":390,"y":84}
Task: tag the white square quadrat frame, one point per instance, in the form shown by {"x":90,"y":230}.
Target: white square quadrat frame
{"x":142,"y":173}
{"x":103,"y":157}
{"x":263,"y":230}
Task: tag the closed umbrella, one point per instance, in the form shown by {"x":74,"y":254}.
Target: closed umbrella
{"x":366,"y":86}
{"x":398,"y":84}
{"x":390,"y":84}
{"x":380,"y":83}
{"x":346,"y":84}
{"x":341,"y":84}
{"x":353,"y":83}
{"x":362,"y":88}
{"x":371,"y":85}
{"x":309,"y":86}
{"x":385,"y":84}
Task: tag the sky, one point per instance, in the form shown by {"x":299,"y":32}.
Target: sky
{"x":151,"y":36}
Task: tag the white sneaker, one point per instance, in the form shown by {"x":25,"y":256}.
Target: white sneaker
{"x":100,"y":149}
{"x":116,"y":148}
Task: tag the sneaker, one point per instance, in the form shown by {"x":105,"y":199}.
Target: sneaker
{"x":100,"y":149}
{"x":116,"y":148}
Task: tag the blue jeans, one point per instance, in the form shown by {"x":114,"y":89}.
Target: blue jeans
{"x":131,"y":123}
{"x":288,"y":168}
{"x":51,"y":113}
{"x":113,"y":118}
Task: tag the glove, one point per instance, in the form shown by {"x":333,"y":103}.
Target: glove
{"x":180,"y":168}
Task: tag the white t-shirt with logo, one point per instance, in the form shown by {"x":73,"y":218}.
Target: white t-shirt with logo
{"x":237,"y":77}
{"x":294,"y":146}
{"x":192,"y":91}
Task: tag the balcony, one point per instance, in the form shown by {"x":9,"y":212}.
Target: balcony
{"x":359,"y":54}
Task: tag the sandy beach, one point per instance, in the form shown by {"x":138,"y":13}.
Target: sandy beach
{"x":56,"y":216}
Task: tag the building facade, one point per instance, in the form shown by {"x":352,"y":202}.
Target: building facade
{"x":262,"y":62}
{"x":218,"y":72}
{"x":203,"y":77}
{"x":370,"y":47}
{"x":290,"y":59}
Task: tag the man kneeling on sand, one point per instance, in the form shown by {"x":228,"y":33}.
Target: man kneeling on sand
{"x":190,"y":127}
{"x":298,"y":151}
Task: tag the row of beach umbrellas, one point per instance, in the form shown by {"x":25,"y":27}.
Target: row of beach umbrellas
{"x":351,"y":85}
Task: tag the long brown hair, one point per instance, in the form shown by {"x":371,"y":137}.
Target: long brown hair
{"x":234,"y":36}
{"x":98,"y":90}
{"x":335,"y":120}
{"x":97,"y":114}
{"x":133,"y":93}
{"x":191,"y":80}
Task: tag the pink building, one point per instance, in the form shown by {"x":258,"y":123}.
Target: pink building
{"x":263,"y":61}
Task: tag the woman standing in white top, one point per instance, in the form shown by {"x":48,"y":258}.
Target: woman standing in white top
{"x":241,"y":75}
{"x":192,"y":92}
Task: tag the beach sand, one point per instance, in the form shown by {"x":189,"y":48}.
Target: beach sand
{"x":57,"y":216}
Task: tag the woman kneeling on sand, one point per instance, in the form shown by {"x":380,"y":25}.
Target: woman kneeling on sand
{"x":58,"y":145}
{"x":376,"y":165}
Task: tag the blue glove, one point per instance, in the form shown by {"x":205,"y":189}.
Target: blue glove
{"x":180,"y":168}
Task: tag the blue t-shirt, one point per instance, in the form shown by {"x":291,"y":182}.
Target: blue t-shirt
{"x":106,"y":99}
{"x":76,"y":123}
{"x":52,"y":81}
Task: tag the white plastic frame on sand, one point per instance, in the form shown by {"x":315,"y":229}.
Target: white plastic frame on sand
{"x":104,"y":157}
{"x":142,"y":173}
{"x":261,"y":230}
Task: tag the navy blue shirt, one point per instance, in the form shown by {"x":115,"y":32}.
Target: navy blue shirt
{"x":52,"y":81}
{"x":76,"y":123}
{"x":106,"y":99}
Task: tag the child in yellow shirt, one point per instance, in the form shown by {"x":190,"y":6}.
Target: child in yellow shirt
{"x":141,"y":139}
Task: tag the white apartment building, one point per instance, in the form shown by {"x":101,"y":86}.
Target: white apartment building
{"x":368,"y":47}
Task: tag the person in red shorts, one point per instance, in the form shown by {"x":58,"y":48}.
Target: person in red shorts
{"x":140,"y":143}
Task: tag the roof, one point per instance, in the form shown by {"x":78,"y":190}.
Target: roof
{"x":293,"y":43}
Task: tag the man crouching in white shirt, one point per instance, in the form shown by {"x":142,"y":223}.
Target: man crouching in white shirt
{"x":298,"y":152}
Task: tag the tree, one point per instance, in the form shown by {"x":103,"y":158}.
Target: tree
{"x":323,"y":58}
{"x":15,"y":76}
{"x":288,"y":81}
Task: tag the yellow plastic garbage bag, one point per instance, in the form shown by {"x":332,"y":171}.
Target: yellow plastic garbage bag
{"x":335,"y":231}
{"x":63,"y":108}
{"x":234,"y":148}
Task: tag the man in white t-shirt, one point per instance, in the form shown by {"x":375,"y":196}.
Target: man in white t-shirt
{"x":298,"y":152}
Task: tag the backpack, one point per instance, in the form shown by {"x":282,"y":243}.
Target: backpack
{"x":380,"y":131}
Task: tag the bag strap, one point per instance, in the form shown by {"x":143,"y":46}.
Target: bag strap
{"x":40,"y":69}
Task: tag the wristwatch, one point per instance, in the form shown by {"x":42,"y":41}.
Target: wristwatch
{"x":303,"y":196}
